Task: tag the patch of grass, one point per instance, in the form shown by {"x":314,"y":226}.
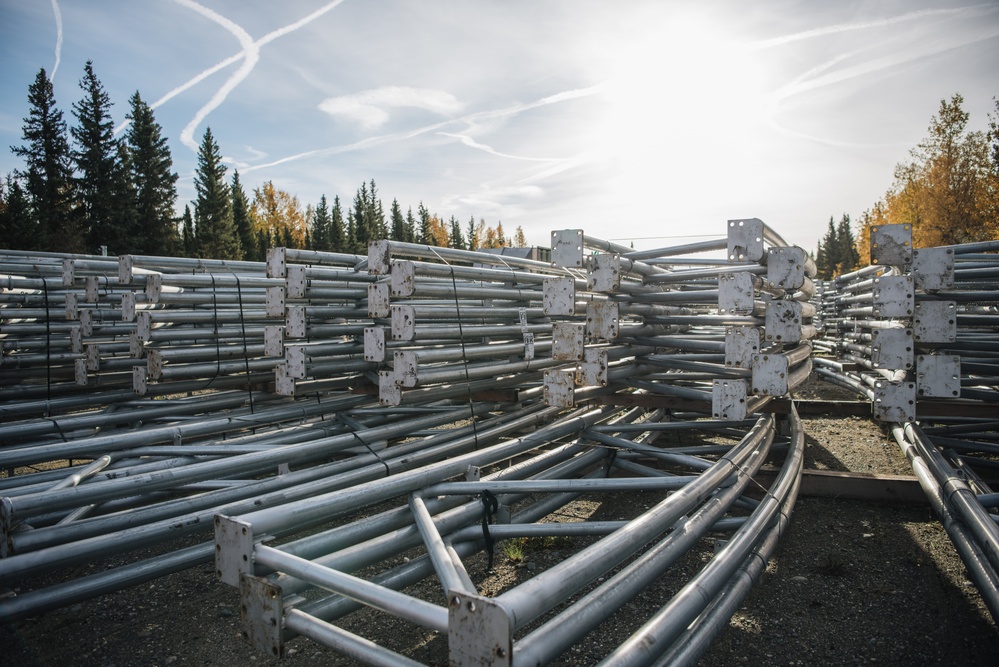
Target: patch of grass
{"x":517,"y":549}
{"x":514,"y":549}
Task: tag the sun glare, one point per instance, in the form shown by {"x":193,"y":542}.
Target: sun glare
{"x":681,"y":100}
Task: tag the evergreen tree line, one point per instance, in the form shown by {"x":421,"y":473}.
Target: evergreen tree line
{"x":948,"y":191}
{"x":84,"y":190}
{"x":837,"y":251}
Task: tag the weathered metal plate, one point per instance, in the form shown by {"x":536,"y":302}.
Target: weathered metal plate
{"x":745,"y":240}
{"x":891,"y":245}
{"x":567,"y":248}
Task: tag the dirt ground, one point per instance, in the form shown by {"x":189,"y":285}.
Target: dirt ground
{"x":852,"y":582}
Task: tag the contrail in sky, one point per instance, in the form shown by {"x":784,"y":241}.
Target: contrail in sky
{"x":472,"y":143}
{"x":401,"y":136}
{"x":266,"y":39}
{"x":846,"y":27}
{"x":58,"y":49}
{"x":251,"y":54}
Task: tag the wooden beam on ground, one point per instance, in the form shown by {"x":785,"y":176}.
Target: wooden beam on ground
{"x":852,"y":485}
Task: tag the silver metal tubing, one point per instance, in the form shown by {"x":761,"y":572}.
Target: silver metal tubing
{"x":446,"y":568}
{"x":363,"y":467}
{"x":306,"y":513}
{"x":958,"y":496}
{"x":542,"y":592}
{"x":352,"y":646}
{"x":665,"y":626}
{"x":979,"y":567}
{"x":558,"y":634}
{"x":413,"y":609}
{"x":672,"y":251}
{"x":400,"y":249}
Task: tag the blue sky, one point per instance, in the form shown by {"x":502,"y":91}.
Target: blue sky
{"x":640,"y":121}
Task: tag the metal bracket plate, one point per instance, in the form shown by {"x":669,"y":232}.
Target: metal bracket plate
{"x":893,"y":296}
{"x":783,"y":321}
{"x":567,"y":248}
{"x":728,"y":399}
{"x":378,"y":300}
{"x":389,"y":391}
{"x":745,"y":240}
{"x":294,"y":322}
{"x":786,"y":268}
{"x":567,"y":341}
{"x":262,"y":615}
{"x":405,"y":367}
{"x":296,"y":281}
{"x":736,"y":295}
{"x":605,"y":273}
{"x":770,"y":373}
{"x":891,"y":245}
{"x":559,"y":296}
{"x":374,"y":344}
{"x":559,"y":388}
{"x":933,"y":268}
{"x":938,"y":375}
{"x":480,"y":632}
{"x":379,"y":258}
{"x":592,"y":372}
{"x":935,"y":322}
{"x":276,"y":265}
{"x":741,"y":343}
{"x":892,"y":349}
{"x":895,"y":401}
{"x":403,"y":322}
{"x":403,"y":278}
{"x":275,"y":300}
{"x":233,"y":549}
{"x":603,"y":320}
{"x":273,"y":340}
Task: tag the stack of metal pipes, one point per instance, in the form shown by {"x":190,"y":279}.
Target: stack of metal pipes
{"x":455,"y":323}
{"x":89,"y":469}
{"x":48,"y":321}
{"x":915,"y":333}
{"x":607,"y":329}
{"x":732,"y":333}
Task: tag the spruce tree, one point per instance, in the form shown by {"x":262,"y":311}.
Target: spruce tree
{"x":456,"y":239}
{"x":241,"y":219}
{"x":847,"y":255}
{"x":471,"y":235}
{"x":321,"y":226}
{"x":122,"y":192}
{"x":398,"y":232}
{"x":155,"y":182}
{"x":338,"y":235}
{"x":351,"y":242}
{"x":190,"y":241}
{"x":377,"y":229}
{"x":425,"y":235}
{"x":102,"y":187}
{"x":216,"y":231}
{"x":410,"y":226}
{"x":18,"y":229}
{"x":828,"y":253}
{"x":363,"y":219}
{"x":48,"y":173}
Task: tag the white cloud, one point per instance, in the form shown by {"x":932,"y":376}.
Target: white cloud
{"x":369,"y":108}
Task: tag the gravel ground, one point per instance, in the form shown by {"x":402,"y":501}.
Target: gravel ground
{"x":852,"y":582}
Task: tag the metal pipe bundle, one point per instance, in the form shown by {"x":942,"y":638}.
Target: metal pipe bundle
{"x":915,"y":334}
{"x":524,"y":376}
